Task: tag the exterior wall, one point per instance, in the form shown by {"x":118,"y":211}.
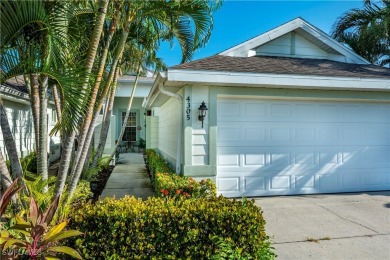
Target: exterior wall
{"x":151,"y":132}
{"x":120,"y":105}
{"x":168,"y":123}
{"x":110,"y":142}
{"x":197,"y":139}
{"x":294,"y":45}
{"x":21,"y":124}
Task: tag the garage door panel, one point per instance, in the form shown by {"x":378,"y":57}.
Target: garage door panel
{"x":302,"y":147}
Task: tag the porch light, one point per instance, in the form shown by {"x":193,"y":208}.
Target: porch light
{"x":202,"y":112}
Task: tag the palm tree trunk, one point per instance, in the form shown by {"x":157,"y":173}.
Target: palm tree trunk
{"x":66,"y":155}
{"x":16,"y":167}
{"x":90,"y":59}
{"x":57,"y":101}
{"x":106,"y":123}
{"x":95,"y":90}
{"x":42,"y":165}
{"x":35,"y":107}
{"x":5,"y":177}
{"x":127,"y":112}
{"x":77,"y":169}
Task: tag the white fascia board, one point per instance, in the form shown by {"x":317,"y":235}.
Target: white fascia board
{"x":161,"y":77}
{"x":261,"y":39}
{"x":325,"y":38}
{"x":144,"y":81}
{"x":243,"y":49}
{"x":277,"y":80}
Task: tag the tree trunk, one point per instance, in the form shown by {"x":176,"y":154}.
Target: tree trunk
{"x":35,"y":107}
{"x":95,"y":90}
{"x":9,"y":141}
{"x":57,"y":101}
{"x":77,"y":169}
{"x":87,"y":160}
{"x":66,"y":156}
{"x":105,"y":124}
{"x":127,"y":112}
{"x":42,"y":165}
{"x":6,"y":179}
{"x":90,"y":59}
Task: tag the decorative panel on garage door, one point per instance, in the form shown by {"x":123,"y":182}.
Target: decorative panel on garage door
{"x":274,"y":147}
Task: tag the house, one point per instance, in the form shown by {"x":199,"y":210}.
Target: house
{"x":16,"y":101}
{"x":136,"y":124}
{"x":291,"y":111}
{"x":17,"y":104}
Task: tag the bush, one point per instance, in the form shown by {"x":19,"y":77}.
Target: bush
{"x":169,"y":229}
{"x":166,"y":183}
{"x":172,"y":185}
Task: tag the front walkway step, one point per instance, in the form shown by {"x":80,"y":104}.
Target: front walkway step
{"x":130,"y":178}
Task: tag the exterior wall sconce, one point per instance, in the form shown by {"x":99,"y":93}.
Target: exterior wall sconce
{"x":202,"y":112}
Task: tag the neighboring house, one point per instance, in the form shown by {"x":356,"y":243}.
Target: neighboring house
{"x":136,"y":123}
{"x":17,"y":104}
{"x":291,"y":111}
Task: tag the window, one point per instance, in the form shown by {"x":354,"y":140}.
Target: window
{"x":53,"y":116}
{"x":131,"y":127}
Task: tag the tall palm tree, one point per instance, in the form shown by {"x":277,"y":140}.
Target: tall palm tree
{"x":190,"y":22}
{"x":367,"y":31}
{"x":35,"y":41}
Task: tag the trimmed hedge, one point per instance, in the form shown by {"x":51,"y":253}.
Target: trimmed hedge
{"x":163,"y":228}
{"x":167,"y":183}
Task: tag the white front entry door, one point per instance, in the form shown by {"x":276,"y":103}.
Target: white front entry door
{"x":279,"y":147}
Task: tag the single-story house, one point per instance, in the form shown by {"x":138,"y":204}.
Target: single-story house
{"x":136,"y":123}
{"x":291,"y":111}
{"x":16,"y":102}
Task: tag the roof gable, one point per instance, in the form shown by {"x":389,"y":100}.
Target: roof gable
{"x":296,"y":38}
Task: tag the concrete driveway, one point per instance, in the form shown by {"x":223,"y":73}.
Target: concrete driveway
{"x":329,"y":226}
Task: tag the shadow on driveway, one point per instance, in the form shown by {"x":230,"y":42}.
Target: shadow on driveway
{"x":329,"y":226}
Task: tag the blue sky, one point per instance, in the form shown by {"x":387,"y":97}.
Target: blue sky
{"x":238,"y":21}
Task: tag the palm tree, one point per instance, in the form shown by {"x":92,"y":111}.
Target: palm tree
{"x":35,"y":41}
{"x":367,"y":31}
{"x":16,"y":167}
{"x":190,"y":22}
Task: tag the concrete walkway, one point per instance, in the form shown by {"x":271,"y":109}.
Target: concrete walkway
{"x":329,"y":226}
{"x":129,"y":177}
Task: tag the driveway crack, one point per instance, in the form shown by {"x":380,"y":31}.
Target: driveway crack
{"x":347,"y":219}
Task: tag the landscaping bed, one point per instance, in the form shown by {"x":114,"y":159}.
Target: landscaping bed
{"x":185,"y":221}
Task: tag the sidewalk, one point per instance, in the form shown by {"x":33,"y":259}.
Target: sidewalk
{"x":129,"y":177}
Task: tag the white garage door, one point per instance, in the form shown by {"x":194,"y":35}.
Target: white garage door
{"x":279,"y":147}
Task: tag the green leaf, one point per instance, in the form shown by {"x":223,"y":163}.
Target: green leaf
{"x":62,"y":235}
{"x":13,"y":242}
{"x":21,"y":221}
{"x":55,"y":230}
{"x":65,"y":250}
{"x":52,"y":258}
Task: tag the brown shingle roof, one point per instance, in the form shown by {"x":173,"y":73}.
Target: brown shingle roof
{"x":284,"y":65}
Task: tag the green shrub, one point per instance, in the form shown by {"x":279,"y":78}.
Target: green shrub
{"x":166,"y":183}
{"x":163,"y":228}
{"x":172,"y":185}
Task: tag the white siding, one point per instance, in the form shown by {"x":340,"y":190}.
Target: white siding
{"x":21,"y":124}
{"x":168,"y":121}
{"x":151,"y":132}
{"x":293,"y":45}
{"x":200,"y":136}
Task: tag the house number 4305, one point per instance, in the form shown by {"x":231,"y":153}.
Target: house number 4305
{"x":188,"y":108}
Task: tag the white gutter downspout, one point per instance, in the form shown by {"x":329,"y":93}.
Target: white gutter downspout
{"x":179,"y":137}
